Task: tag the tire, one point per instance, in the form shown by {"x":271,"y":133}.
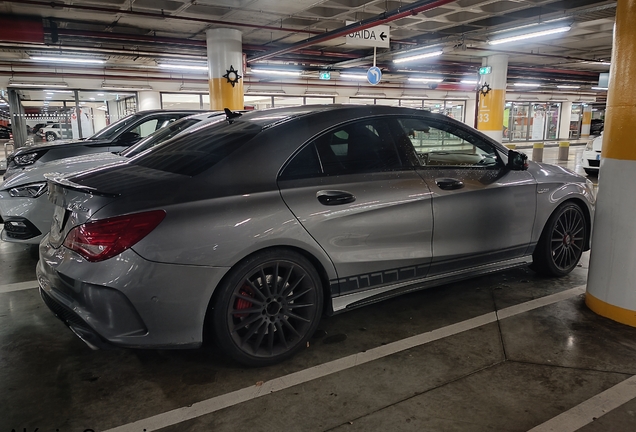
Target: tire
{"x":50,"y":136}
{"x":590,"y":172}
{"x":562,"y":241}
{"x":261,"y":324}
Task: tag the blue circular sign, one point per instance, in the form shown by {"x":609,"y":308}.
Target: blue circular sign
{"x":374,"y":75}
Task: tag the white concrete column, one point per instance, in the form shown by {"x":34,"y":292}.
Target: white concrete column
{"x":149,"y":100}
{"x":564,"y":122}
{"x":469,"y":115}
{"x":225,"y":68}
{"x":611,"y":283}
{"x":491,"y":106}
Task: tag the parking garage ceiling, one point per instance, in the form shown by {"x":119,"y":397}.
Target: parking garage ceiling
{"x":135,"y":35}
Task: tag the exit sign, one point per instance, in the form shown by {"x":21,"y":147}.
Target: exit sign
{"x":485,"y":70}
{"x":326,"y":75}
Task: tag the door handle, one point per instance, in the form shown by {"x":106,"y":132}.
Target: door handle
{"x":334,"y":197}
{"x":449,"y":183}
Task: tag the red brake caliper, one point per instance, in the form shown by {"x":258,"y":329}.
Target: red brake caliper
{"x":242,"y":303}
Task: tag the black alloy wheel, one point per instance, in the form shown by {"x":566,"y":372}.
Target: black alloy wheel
{"x":268,"y":308}
{"x":562,"y":242}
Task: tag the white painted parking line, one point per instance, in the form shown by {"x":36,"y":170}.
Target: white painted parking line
{"x":18,"y":286}
{"x":540,"y":302}
{"x":217,"y":403}
{"x":590,"y":410}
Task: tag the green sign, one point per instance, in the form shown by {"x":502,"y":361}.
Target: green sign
{"x":485,"y":70}
{"x":325,"y":75}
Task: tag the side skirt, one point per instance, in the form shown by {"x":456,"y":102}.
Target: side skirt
{"x":350,"y":301}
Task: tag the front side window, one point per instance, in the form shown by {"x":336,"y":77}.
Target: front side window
{"x":444,"y":144}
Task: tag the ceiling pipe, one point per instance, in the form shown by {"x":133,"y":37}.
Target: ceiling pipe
{"x":519,"y":53}
{"x":186,"y":42}
{"x":383,"y":18}
{"x":53,"y":4}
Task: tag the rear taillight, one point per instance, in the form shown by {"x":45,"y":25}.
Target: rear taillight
{"x":105,"y":238}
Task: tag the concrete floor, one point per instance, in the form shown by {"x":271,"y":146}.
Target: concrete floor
{"x":436,"y":360}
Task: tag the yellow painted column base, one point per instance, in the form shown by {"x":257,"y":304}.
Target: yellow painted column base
{"x":223,"y":95}
{"x":615,"y":313}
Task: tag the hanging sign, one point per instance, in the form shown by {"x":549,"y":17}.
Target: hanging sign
{"x":378,"y":36}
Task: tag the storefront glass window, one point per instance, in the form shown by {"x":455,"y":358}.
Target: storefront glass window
{"x":526,"y":121}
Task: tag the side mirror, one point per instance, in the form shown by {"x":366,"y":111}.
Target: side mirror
{"x":517,"y":161}
{"x":129,"y":138}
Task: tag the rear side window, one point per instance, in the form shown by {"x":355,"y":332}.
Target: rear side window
{"x":358,"y":147}
{"x":194,"y":152}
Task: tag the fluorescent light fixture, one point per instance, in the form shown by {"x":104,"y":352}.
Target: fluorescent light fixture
{"x":418,"y":57}
{"x":599,"y":88}
{"x":568,"y":86}
{"x":469,"y":81}
{"x":527,"y":85}
{"x":185,"y":67}
{"x":320,"y":94}
{"x":530,"y":35}
{"x":277,"y":72}
{"x":49,"y":93}
{"x":264,"y":92}
{"x":68,"y":60}
{"x":124,"y":87}
{"x":92,"y":98}
{"x":371,"y":95}
{"x":40,"y":85}
{"x":354,"y":76}
{"x":100,"y":94}
{"x":102,"y":108}
{"x":186,"y":89}
{"x":405,"y":96}
{"x":427,"y":80}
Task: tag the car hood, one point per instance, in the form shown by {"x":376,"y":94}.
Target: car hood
{"x":83,"y":142}
{"x":597,"y":144}
{"x":60,"y":167}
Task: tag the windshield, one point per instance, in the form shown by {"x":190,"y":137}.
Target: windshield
{"x":160,"y":136}
{"x":112,"y":130}
{"x":199,"y":149}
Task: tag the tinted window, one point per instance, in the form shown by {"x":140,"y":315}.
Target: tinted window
{"x":304,"y":164}
{"x":438,"y":143}
{"x":160,"y":136}
{"x":194,"y":152}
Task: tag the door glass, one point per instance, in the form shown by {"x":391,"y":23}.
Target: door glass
{"x":363,"y":146}
{"x":447,"y":145}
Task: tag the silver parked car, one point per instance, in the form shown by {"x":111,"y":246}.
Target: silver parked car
{"x":248,"y":230}
{"x":24,"y":205}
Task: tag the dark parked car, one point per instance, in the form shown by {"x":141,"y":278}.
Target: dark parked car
{"x":5,"y":132}
{"x":114,"y":138}
{"x":597,"y":126}
{"x":249,"y":229}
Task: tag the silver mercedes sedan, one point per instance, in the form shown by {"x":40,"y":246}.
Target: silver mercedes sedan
{"x":248,"y":230}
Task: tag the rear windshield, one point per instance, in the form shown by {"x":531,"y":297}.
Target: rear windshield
{"x":198,"y":149}
{"x":110,"y":131}
{"x":159,"y":136}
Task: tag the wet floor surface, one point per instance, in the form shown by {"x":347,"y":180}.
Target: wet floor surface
{"x":510,"y":374}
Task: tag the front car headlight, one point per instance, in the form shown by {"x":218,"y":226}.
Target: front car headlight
{"x":26,"y":159}
{"x":32,"y":190}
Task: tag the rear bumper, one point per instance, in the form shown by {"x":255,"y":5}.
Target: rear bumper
{"x":127,"y":301}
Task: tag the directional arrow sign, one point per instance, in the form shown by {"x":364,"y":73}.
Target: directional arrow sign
{"x":374,"y":75}
{"x":378,"y":36}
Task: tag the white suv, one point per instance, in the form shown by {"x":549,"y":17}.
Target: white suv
{"x":52,"y":132}
{"x":591,"y":159}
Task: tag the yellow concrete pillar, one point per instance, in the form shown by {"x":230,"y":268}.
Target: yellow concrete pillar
{"x":225,"y":68}
{"x":611,"y":286}
{"x":537,"y":152}
{"x":492,"y":97}
{"x":586,"y":123}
